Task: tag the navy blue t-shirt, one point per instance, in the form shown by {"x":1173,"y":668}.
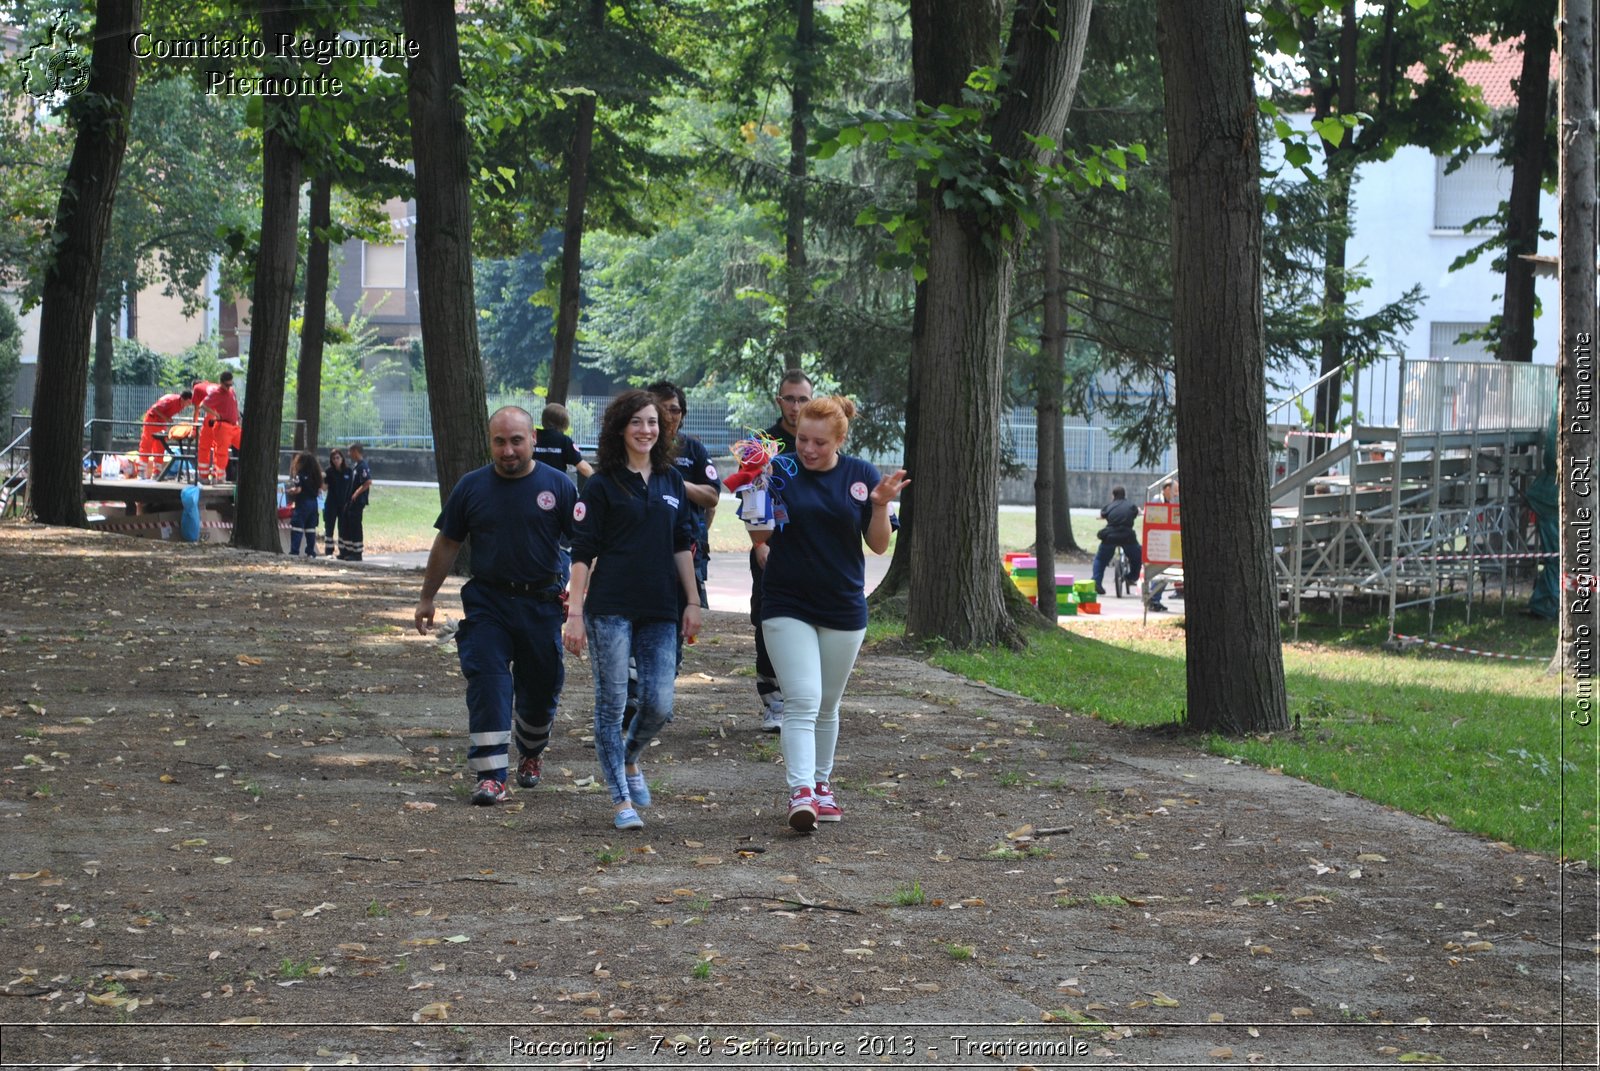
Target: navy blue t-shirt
{"x":516,"y":524}
{"x":303,"y":488}
{"x":337,"y":481}
{"x":695,"y":466}
{"x":556,"y":449}
{"x":360,"y":473}
{"x":816,"y":569}
{"x":627,"y":530}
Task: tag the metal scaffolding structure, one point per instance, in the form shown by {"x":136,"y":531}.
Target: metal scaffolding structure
{"x":1426,"y":507}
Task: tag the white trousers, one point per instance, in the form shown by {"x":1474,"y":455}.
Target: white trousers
{"x":813,"y":665}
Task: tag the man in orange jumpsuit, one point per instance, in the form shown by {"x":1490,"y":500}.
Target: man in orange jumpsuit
{"x":220,"y":408}
{"x":157,"y":421}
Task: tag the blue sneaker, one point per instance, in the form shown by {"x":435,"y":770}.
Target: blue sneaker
{"x":638,"y":790}
{"x":628,"y":818}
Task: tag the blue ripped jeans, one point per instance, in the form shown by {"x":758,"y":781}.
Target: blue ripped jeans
{"x":653,"y":646}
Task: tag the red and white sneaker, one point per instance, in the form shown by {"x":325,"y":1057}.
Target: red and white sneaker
{"x":827,"y":807}
{"x":489,"y":792}
{"x":802,"y":810}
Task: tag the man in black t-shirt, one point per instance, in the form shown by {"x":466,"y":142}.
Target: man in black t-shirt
{"x":700,"y":480}
{"x":517,"y":512}
{"x":794,"y":391}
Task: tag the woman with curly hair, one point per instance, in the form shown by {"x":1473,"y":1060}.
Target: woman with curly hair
{"x":632,"y":568}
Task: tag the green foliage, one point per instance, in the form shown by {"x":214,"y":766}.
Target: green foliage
{"x":952,"y":148}
{"x":514,"y":329}
{"x":352,"y":364}
{"x":10,"y":354}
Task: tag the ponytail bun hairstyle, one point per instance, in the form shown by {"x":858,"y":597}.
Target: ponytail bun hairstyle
{"x":835,"y":410}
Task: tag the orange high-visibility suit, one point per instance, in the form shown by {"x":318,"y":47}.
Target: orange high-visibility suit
{"x":219,"y":431}
{"x":157,"y":420}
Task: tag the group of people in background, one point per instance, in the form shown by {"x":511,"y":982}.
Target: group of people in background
{"x":638,"y":535}
{"x":344,"y":488}
{"x":214,"y":426}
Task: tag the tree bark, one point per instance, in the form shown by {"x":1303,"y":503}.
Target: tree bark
{"x":958,"y":591}
{"x":1066,"y":539}
{"x":1047,"y":391}
{"x":1576,"y":442}
{"x":314,"y":325}
{"x":578,"y":155}
{"x":72,"y":283}
{"x":255,"y":519}
{"x":104,"y":400}
{"x":1527,"y":174}
{"x":796,"y":283}
{"x":1234,"y":653}
{"x":450,"y":354}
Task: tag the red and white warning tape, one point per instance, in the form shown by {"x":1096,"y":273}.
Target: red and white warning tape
{"x":1470,"y":650}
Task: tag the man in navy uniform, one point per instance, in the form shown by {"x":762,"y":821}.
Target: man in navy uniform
{"x":517,"y":512}
{"x":352,"y":533}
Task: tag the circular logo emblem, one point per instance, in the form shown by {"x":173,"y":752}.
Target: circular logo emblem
{"x":858,"y":491}
{"x":711,"y":472}
{"x":546,"y":500}
{"x":580,"y":511}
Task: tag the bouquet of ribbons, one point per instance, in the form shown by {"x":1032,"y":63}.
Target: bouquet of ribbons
{"x":756,"y":484}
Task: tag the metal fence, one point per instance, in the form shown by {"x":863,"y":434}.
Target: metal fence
{"x":403,"y":420}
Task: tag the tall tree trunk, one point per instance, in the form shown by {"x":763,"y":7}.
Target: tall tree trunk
{"x":796,"y":282}
{"x":1577,"y":447}
{"x":1047,"y":388}
{"x":314,"y":326}
{"x":72,"y":283}
{"x":255,"y":520}
{"x":1066,"y":540}
{"x":958,"y":591}
{"x":450,"y":355}
{"x":578,"y":155}
{"x":1234,"y":650}
{"x":130,"y":309}
{"x":1527,"y":175}
{"x":105,"y":334}
{"x":898,"y":576}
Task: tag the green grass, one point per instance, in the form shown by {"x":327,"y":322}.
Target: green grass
{"x":401,"y":518}
{"x":702,"y":970}
{"x":1473,"y":743}
{"x":910,"y":895}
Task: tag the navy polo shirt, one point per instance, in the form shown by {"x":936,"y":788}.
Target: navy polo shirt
{"x":816,"y":568}
{"x":777,"y":432}
{"x":516,"y":524}
{"x":626,"y":530}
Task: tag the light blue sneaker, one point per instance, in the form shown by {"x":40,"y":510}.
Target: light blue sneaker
{"x":638,"y":790}
{"x":628,"y":818}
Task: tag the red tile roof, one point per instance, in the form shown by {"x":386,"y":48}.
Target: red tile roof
{"x":1493,"y":76}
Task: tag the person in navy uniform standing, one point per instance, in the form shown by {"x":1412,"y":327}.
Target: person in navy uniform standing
{"x":336,"y":478}
{"x":516,"y":511}
{"x":700,"y":480}
{"x":794,"y":391}
{"x":632,"y":569}
{"x":813,"y":599}
{"x":305,"y":483}
{"x":352,"y":533}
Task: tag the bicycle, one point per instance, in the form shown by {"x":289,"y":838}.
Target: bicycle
{"x":1120,"y":573}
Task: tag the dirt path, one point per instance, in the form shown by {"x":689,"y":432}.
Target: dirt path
{"x":233,"y":795}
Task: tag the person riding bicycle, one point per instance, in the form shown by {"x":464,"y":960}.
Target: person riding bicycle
{"x":1119,"y":516}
